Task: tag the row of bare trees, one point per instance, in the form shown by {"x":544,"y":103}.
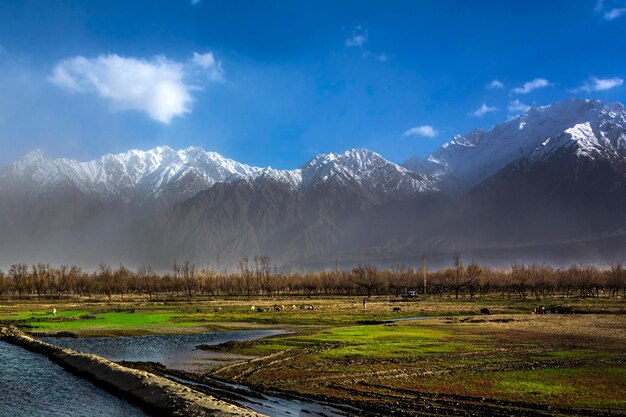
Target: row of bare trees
{"x":258,"y":277}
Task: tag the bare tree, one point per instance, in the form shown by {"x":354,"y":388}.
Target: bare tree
{"x":20,"y":278}
{"x":246,"y":274}
{"x":188,"y":274}
{"x":263,"y":274}
{"x":3,"y":284}
{"x":367,"y":277}
{"x":424,"y":271}
{"x":146,"y":280}
{"x":105,"y":280}
{"x":463,"y":277}
{"x":40,"y":276}
{"x":121,"y":278}
{"x":616,"y":279}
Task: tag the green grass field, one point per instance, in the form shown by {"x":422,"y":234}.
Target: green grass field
{"x":567,"y":361}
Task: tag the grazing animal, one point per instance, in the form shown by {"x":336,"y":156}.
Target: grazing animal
{"x":484,"y":311}
{"x":260,"y":310}
{"x":397,"y":309}
{"x":293,"y":307}
{"x":54,"y":311}
{"x":252,"y":308}
{"x":277,"y":309}
{"x":218,"y":309}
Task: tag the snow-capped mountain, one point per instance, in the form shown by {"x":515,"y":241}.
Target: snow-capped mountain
{"x":359,"y":167}
{"x":172,"y":176}
{"x":548,"y":186}
{"x":593,"y":127}
{"x":364,"y":167}
{"x":134,"y":175}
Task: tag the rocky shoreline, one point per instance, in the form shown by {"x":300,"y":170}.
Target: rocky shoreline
{"x":155,"y":394}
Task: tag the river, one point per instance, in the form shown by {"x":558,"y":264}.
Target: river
{"x":178,"y":352}
{"x":31,"y":385}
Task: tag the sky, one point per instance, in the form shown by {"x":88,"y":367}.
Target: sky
{"x":273,"y":83}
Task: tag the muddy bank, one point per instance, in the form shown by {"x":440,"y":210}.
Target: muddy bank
{"x":227,"y":346}
{"x":271,"y":402}
{"x":155,"y":394}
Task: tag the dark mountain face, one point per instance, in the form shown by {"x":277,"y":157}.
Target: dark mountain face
{"x":319,"y":225}
{"x":549,"y":186}
{"x":560,"y":198}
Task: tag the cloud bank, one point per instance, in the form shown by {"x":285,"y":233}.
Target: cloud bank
{"x":159,"y":87}
{"x":598,"y":84}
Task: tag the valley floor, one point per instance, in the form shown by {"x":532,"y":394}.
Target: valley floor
{"x":455,"y":361}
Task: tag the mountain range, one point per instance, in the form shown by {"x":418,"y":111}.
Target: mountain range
{"x":547,"y":186}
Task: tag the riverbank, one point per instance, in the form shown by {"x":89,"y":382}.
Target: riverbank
{"x":155,"y":394}
{"x":549,"y":365}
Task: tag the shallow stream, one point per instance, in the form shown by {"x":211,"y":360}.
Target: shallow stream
{"x":173,"y":351}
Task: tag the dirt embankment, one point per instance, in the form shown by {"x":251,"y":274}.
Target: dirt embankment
{"x":155,"y":394}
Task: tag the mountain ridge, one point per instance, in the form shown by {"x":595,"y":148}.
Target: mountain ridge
{"x":146,"y":174}
{"x":547,"y":179}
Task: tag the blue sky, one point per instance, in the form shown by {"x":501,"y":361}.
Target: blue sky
{"x":274,"y":83}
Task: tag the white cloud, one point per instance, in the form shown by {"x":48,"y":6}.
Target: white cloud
{"x":483,"y":110}
{"x":531,"y":86}
{"x":157,"y":86}
{"x":358,"y":38}
{"x":424,"y":130}
{"x":611,"y":9}
{"x":378,"y":57}
{"x":495,"y":85}
{"x":208,"y":63}
{"x":517,"y":106}
{"x":599,"y":6}
{"x":614,"y":13}
{"x":598,"y":84}
{"x":194,"y":2}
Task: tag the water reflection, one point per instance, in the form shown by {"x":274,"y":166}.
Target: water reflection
{"x":173,"y":351}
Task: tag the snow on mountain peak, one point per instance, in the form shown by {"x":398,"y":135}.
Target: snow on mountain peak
{"x":129,"y":175}
{"x":36,"y":155}
{"x":364,"y":167}
{"x":175,"y":175}
{"x":594,"y":125}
